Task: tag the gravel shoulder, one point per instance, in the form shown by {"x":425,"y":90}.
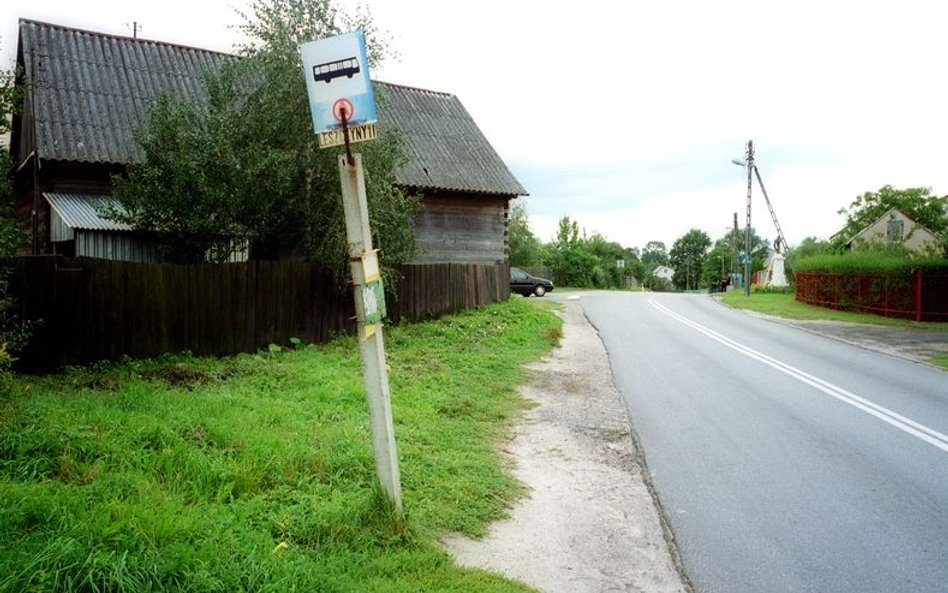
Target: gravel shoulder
{"x":589,"y":523}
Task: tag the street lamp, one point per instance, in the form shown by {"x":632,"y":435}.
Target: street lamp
{"x":747,"y":163}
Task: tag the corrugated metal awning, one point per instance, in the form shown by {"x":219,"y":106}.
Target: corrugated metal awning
{"x":83,"y":211}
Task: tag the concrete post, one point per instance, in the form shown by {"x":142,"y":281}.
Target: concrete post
{"x":371,"y":344}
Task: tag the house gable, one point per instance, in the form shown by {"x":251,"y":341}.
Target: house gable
{"x":895,"y":227}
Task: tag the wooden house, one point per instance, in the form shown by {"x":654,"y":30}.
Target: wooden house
{"x":85,"y":93}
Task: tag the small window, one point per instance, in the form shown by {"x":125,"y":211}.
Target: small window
{"x":895,"y":230}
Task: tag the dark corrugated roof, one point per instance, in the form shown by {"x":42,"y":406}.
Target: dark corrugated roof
{"x":91,"y":91}
{"x":446,"y":148}
{"x":81,"y":211}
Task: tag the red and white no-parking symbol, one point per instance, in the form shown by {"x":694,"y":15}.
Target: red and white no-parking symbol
{"x":342,"y":109}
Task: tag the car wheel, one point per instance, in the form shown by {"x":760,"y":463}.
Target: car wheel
{"x":539,"y":290}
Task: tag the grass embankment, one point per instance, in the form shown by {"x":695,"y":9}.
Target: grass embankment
{"x":786,"y":306}
{"x":186,"y":474}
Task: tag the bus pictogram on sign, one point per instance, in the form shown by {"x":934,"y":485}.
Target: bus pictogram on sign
{"x":336,"y":69}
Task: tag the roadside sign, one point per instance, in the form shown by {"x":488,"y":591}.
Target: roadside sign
{"x":337,"y":81}
{"x":342,"y":110}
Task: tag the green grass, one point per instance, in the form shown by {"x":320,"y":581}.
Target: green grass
{"x":941,"y":360}
{"x":185,"y":474}
{"x":786,"y":306}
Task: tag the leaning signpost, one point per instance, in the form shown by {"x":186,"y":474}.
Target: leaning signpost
{"x":342,"y":105}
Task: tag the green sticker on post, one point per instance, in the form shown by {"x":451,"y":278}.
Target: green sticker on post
{"x":373,"y":301}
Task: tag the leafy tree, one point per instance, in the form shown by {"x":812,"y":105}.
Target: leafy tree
{"x":584,"y":262}
{"x":525,"y":248}
{"x":245,"y":165}
{"x":717,"y":264}
{"x":918,"y":203}
{"x":811,"y":246}
{"x":607,"y":274}
{"x":13,"y":333}
{"x":760,"y":248}
{"x":654,"y":254}
{"x":687,"y":258}
{"x":572,"y":264}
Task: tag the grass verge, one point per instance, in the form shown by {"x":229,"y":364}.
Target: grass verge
{"x":786,"y":306}
{"x":941,"y":360}
{"x":255,"y":472}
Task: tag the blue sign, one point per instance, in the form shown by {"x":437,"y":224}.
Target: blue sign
{"x":337,"y":81}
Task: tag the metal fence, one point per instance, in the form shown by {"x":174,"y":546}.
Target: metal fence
{"x":919,"y":295}
{"x":87,"y":310}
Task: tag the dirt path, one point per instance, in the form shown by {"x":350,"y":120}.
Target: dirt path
{"x":590,"y":523}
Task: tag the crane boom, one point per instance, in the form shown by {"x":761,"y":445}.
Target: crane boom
{"x":781,"y":244}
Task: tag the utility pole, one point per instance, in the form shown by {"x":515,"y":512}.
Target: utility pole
{"x":135,"y":27}
{"x":749,"y":163}
{"x":734,"y":259}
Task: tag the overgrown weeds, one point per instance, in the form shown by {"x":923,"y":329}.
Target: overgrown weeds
{"x":255,"y":473}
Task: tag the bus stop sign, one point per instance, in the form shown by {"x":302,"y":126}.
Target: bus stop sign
{"x":337,"y":80}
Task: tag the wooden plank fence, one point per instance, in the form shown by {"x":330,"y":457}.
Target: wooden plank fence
{"x":87,"y":310}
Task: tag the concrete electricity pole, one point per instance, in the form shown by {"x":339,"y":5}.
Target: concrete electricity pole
{"x":749,"y":163}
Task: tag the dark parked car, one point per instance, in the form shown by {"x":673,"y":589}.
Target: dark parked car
{"x":525,"y":284}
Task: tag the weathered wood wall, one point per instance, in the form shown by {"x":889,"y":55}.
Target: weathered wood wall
{"x":457,"y":227}
{"x":91,"y":309}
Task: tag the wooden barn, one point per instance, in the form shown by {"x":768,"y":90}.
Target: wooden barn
{"x":465,"y":186}
{"x":85,"y":93}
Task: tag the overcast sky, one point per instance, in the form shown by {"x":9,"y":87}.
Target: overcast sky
{"x":625,"y":116}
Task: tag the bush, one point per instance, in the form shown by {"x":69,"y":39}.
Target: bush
{"x":870,"y":263}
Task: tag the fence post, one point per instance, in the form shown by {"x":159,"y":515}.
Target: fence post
{"x":918,"y":294}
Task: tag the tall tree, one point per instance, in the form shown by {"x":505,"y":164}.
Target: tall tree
{"x":13,"y":333}
{"x":918,"y":203}
{"x":717,"y":263}
{"x":654,"y":254}
{"x":611,"y":255}
{"x":809,"y":247}
{"x":523,"y":244}
{"x":572,"y":264}
{"x":245,"y":165}
{"x":687,"y":258}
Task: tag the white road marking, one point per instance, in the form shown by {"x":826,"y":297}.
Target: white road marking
{"x":920,"y":431}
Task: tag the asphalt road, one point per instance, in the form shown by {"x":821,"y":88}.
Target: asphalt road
{"x":784,"y":461}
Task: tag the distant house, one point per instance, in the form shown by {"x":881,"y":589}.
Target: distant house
{"x":85,"y":93}
{"x":664,"y":272}
{"x":893,"y":227}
